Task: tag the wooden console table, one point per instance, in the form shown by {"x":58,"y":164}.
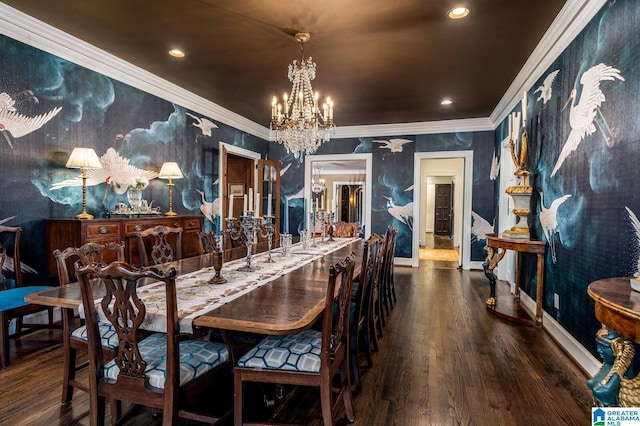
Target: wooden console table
{"x":519,"y":245}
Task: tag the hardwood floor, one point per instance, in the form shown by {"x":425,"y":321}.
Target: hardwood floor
{"x":443,"y":360}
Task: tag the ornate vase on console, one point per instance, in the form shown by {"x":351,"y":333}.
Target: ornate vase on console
{"x":521,"y":193}
{"x":134,"y":193}
{"x":134,"y":196}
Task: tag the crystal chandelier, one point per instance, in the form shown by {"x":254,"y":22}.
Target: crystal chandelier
{"x":300,"y":125}
{"x":319,"y":185}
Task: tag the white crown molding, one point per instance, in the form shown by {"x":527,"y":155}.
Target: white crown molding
{"x":24,"y":28}
{"x":410,"y":129}
{"x":572,"y":19}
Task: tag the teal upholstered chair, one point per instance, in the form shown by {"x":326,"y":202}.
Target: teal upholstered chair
{"x":309,"y":358}
{"x":162,"y":371}
{"x":12,"y":294}
{"x":360,"y":333}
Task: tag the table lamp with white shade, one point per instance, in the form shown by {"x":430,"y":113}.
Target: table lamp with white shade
{"x":84,"y":159}
{"x":170,"y":170}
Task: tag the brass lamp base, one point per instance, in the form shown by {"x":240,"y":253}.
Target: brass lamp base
{"x":171,"y":213}
{"x":84,"y":215}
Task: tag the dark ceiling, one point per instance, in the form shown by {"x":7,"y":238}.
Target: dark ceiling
{"x":381,"y":61}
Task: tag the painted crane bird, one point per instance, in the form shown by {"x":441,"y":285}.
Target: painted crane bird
{"x":582,"y":117}
{"x":549,"y":221}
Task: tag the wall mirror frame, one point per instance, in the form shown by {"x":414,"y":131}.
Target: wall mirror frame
{"x":349,"y":168}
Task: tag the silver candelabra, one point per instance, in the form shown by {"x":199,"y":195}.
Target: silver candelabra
{"x":247,"y":230}
{"x":267,"y":221}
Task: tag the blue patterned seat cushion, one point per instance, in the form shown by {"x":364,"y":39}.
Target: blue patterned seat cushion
{"x":108,"y":334}
{"x":196,"y":358}
{"x":14,"y":297}
{"x":296,"y":352}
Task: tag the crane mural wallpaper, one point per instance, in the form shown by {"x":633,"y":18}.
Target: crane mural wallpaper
{"x":584,"y":140}
{"x":584,"y":137}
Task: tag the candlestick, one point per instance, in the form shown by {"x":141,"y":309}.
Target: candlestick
{"x":244,"y":207}
{"x":269,"y":205}
{"x":230,"y":215}
{"x":258,"y":210}
{"x":510,"y":127}
{"x":250,"y":199}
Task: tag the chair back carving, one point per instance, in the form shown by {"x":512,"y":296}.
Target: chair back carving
{"x":11,"y":238}
{"x":367,"y":274}
{"x":388,"y":286}
{"x":335,"y":336}
{"x":126,"y":312}
{"x":155,"y":247}
{"x":87,"y":253}
{"x":207,"y":242}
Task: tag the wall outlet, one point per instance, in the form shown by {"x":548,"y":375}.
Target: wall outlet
{"x":556,"y":300}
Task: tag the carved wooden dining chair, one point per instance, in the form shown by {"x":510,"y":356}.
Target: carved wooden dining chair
{"x":207,"y":242}
{"x":155,"y":245}
{"x":75,"y":338}
{"x":309,"y":358}
{"x":388,"y":297}
{"x":165,"y":372}
{"x":376,"y":317}
{"x":359,"y":327}
{"x":13,"y":292}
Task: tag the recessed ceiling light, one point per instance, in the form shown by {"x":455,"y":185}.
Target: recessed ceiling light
{"x":446,"y":102}
{"x":458,"y":13}
{"x":177,"y":53}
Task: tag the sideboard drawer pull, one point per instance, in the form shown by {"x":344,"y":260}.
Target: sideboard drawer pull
{"x":176,"y":225}
{"x":103,"y":230}
{"x":191,"y":223}
{"x":137,"y":228}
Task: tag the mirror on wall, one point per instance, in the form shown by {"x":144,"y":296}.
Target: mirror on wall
{"x":338,"y":186}
{"x":349,"y":202}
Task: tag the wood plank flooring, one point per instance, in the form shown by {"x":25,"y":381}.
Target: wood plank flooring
{"x":443,"y":360}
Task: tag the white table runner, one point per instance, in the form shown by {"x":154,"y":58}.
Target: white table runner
{"x":196,"y":296}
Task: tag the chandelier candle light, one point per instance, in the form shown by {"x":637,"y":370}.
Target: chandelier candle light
{"x":299,"y":124}
{"x":84,"y":159}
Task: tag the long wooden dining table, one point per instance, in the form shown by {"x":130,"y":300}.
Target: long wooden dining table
{"x":290,"y":303}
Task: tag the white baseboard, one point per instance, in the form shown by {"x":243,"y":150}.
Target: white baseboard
{"x":570,"y":345}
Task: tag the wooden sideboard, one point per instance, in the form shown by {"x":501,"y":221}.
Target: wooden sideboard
{"x":63,"y":233}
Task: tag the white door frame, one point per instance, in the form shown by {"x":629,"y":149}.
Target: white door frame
{"x":241,"y":152}
{"x":368,"y":157}
{"x":506,"y":269}
{"x":467,"y":156}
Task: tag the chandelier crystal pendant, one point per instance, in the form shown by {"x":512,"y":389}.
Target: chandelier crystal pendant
{"x":318,"y":185}
{"x":299,"y":124}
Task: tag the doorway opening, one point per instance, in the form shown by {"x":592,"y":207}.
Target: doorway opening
{"x":237,"y":167}
{"x":446,"y":167}
{"x":505,"y":270}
